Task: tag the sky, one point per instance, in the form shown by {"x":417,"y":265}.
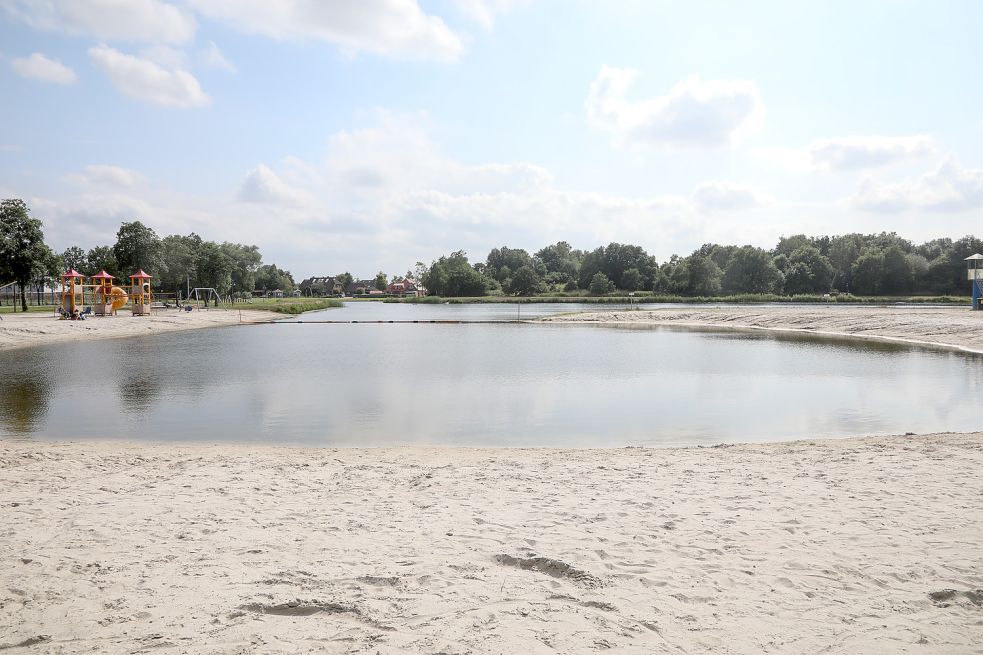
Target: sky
{"x":366,"y":136}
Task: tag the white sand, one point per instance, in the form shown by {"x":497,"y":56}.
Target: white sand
{"x":35,"y":329}
{"x":958,"y":327}
{"x":807,"y":547}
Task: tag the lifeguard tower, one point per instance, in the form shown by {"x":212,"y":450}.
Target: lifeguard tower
{"x":140,"y":293}
{"x":975,"y":265}
{"x":71,"y":294}
{"x":106,"y":297}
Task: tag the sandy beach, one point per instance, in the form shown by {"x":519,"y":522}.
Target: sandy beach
{"x":35,"y":329}
{"x":859,"y":545}
{"x":957,"y":328}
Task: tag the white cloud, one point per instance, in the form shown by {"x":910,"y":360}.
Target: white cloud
{"x":106,"y":175}
{"x":693,"y":114}
{"x":949,"y":188}
{"x":483,"y":12}
{"x":39,"y":67}
{"x":727,"y":196}
{"x":263,"y":185}
{"x":146,"y":81}
{"x":386,"y":196}
{"x":166,"y":57}
{"x":151,"y":21}
{"x":211,"y":57}
{"x":384,"y":27}
{"x":857,"y":152}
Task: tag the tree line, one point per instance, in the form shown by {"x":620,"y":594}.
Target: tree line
{"x":175,"y":261}
{"x":860,"y":264}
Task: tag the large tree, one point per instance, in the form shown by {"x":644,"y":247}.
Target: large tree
{"x":751,"y":270}
{"x":809,"y":271}
{"x":525,"y":281}
{"x":214,"y":268}
{"x":103,"y":258}
{"x":245,"y":260}
{"x":138,"y":247}
{"x":74,"y":257}
{"x":22,"y":248}
{"x":453,"y":275}
{"x":180,"y":255}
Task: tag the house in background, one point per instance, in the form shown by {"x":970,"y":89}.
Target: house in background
{"x":359,"y":287}
{"x":325,"y":285}
{"x":407,"y":287}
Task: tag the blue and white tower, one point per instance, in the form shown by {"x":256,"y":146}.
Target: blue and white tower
{"x":975,"y":264}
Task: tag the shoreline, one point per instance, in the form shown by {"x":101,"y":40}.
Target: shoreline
{"x":26,"y":330}
{"x":243,"y":548}
{"x":938,"y":328}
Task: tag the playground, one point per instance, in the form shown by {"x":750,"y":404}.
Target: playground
{"x":102,"y":297}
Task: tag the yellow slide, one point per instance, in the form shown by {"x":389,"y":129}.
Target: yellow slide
{"x":118,"y":297}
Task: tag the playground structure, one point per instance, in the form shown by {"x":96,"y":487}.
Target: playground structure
{"x":975,"y":265}
{"x":201,"y":296}
{"x":102,"y":297}
{"x":108,"y":298}
{"x":140,"y":292}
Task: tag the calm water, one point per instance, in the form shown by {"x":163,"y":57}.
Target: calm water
{"x":508,"y":384}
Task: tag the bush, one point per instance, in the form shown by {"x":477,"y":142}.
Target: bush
{"x":600,"y":285}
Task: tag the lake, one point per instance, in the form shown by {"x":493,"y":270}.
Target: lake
{"x":485,"y":384}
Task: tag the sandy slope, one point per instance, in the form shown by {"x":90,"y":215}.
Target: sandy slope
{"x":33,"y":329}
{"x":955,"y":327}
{"x":852,"y":546}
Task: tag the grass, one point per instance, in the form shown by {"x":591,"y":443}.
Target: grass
{"x":286,"y":305}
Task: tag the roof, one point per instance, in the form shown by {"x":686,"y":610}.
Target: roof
{"x":72,"y":273}
{"x":973,"y":257}
{"x":102,"y":275}
{"x":141,"y":275}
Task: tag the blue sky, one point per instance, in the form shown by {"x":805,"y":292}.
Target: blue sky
{"x":369,"y":135}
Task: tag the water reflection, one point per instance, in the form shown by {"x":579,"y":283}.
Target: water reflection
{"x":24,"y":402}
{"x":492,"y":385}
{"x":139,"y":389}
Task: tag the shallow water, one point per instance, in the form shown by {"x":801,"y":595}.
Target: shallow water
{"x":481,"y":384}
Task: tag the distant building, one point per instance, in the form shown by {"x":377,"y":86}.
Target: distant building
{"x":406,"y":287}
{"x":359,"y":287}
{"x":327,"y":285}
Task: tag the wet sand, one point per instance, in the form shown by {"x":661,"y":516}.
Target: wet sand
{"x":957,"y":328}
{"x":868,"y":545}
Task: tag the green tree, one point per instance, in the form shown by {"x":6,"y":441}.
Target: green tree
{"x":381,"y":281}
{"x":138,"y":247}
{"x":453,"y":276}
{"x":799,"y":279}
{"x":47,"y":271}
{"x":600,"y":285}
{"x":897,"y":274}
{"x":814,"y":272}
{"x":561,"y":259}
{"x":269,"y":278}
{"x":245,"y":260}
{"x":345,"y":280}
{"x":22,"y":248}
{"x":632,"y":280}
{"x":180,"y":255}
{"x":751,"y":270}
{"x":214,"y":268}
{"x":74,"y":257}
{"x":102,"y":258}
{"x":502,"y":262}
{"x":867,"y":273}
{"x":703,"y":277}
{"x":525,"y":281}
